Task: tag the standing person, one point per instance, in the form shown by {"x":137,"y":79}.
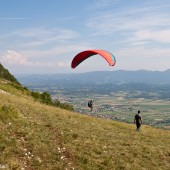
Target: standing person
{"x":138,"y":120}
{"x":90,"y":104}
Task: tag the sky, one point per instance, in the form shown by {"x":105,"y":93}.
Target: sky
{"x":43,"y":36}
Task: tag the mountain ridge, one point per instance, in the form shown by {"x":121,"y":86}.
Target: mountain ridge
{"x":119,"y":76}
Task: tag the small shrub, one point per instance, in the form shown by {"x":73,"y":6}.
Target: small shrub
{"x":2,"y":146}
{"x":75,"y":135}
{"x":8,"y":112}
{"x":63,"y":105}
{"x":45,"y":97}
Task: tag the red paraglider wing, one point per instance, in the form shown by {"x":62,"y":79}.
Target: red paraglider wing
{"x":88,"y":53}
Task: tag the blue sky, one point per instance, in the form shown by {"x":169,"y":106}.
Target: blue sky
{"x":43,"y":36}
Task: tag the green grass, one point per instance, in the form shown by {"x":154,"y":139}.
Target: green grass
{"x":35,"y":136}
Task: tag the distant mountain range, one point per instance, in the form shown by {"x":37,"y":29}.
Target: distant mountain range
{"x":98,"y":77}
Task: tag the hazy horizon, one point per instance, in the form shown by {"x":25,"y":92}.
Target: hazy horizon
{"x":92,"y":72}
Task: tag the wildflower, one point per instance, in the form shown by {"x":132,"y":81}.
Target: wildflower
{"x":62,"y":157}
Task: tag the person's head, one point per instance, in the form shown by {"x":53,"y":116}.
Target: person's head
{"x":138,"y":111}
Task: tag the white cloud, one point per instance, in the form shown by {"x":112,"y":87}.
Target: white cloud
{"x":62,"y":64}
{"x":146,"y":15}
{"x":143,"y":58}
{"x":57,"y":52}
{"x":112,"y":23}
{"x":145,"y":53}
{"x":41,"y":32}
{"x":40,"y":36}
{"x":161,"y":36}
{"x":14,"y":58}
{"x":45,"y":36}
{"x":11,"y":57}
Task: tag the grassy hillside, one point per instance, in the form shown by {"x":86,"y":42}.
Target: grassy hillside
{"x":5,"y":74}
{"x":35,"y":136}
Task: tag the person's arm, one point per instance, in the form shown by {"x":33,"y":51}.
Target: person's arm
{"x":141,"y":120}
{"x":134,"y":120}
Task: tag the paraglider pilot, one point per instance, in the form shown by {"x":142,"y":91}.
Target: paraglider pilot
{"x":90,"y":104}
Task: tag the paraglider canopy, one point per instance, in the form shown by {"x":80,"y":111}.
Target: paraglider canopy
{"x":80,"y":57}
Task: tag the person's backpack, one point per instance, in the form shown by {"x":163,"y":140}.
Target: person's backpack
{"x":90,"y":103}
{"x":137,"y":117}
